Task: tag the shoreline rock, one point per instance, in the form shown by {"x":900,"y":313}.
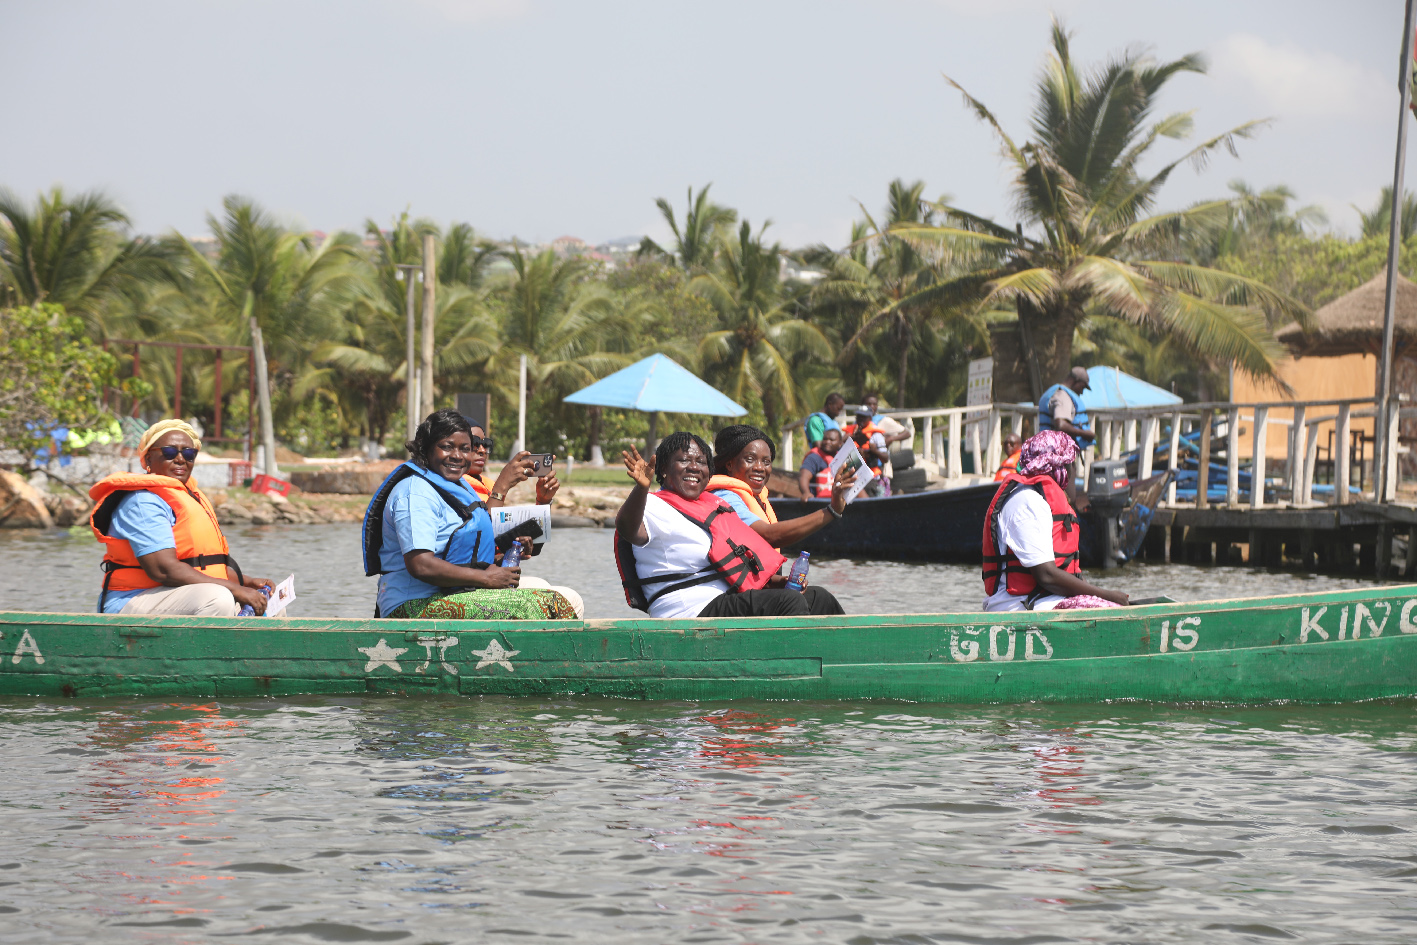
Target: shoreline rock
{"x":21,"y":504}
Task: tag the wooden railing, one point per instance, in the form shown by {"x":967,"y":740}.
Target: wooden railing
{"x":943,"y":448}
{"x":948,"y":431}
{"x":1122,"y":431}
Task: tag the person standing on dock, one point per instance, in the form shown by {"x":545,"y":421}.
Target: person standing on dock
{"x":1031,"y":536}
{"x":164,"y":552}
{"x":1061,"y":408}
{"x":823,"y":420}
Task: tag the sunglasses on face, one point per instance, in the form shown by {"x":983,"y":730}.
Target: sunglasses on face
{"x":482,"y":442}
{"x":169,"y":453}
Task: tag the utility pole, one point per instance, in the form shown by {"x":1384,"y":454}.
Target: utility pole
{"x":430,"y":280}
{"x":410,"y":382}
{"x":1385,"y":446}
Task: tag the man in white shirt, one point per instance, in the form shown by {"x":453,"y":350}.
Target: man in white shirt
{"x":1026,"y":529}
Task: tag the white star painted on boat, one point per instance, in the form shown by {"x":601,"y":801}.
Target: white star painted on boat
{"x":495,"y":654}
{"x":381,"y":654}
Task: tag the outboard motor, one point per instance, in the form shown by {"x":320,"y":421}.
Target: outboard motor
{"x":1110,"y":492}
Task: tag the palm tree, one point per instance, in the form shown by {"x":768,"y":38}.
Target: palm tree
{"x":571,"y":328}
{"x":1377,"y":220}
{"x":270,"y":280}
{"x":704,"y":223}
{"x":1078,"y":186}
{"x":464,"y":257}
{"x":890,"y":290}
{"x":1256,"y":219}
{"x":761,"y":340}
{"x":73,"y":252}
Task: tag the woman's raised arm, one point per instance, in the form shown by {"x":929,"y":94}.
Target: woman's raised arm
{"x":630,"y":520}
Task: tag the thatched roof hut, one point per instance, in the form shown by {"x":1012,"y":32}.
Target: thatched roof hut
{"x":1353,"y":323}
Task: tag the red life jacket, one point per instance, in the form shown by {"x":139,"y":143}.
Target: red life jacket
{"x":737,"y":554}
{"x":1019,"y":580}
{"x":821,"y":485}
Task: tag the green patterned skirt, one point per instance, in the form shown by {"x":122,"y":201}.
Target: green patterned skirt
{"x":508,"y":603}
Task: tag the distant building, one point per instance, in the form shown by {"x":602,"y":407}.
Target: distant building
{"x":569,"y":246}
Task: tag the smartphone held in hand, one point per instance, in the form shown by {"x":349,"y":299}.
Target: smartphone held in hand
{"x":544,"y":464}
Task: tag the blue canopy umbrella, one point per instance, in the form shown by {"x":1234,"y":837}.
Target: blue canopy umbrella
{"x":1117,"y":390}
{"x":656,"y":384}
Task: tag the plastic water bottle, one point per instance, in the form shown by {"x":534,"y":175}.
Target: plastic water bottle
{"x":797,"y":577}
{"x":247,"y":610}
{"x":513,"y":555}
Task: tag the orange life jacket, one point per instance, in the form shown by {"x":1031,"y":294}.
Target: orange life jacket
{"x":1009,"y":465}
{"x":757,"y":504}
{"x":863,"y":443}
{"x":196,"y":533}
{"x":821,"y":484}
{"x":737,"y":554}
{"x":1019,"y":580}
{"x":482,"y":485}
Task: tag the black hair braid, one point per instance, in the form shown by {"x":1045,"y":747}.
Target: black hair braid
{"x":435,"y":426}
{"x":672,"y":444}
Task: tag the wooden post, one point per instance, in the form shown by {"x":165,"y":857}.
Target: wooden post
{"x":410,"y":384}
{"x":996,"y":441}
{"x":1203,"y":482}
{"x":177,"y":386}
{"x":1298,"y":442}
{"x":1311,"y":459}
{"x":1148,"y":433}
{"x":975,"y":449}
{"x":1129,"y":432}
{"x":1257,"y":460}
{"x":1390,"y":481}
{"x":1232,"y":458}
{"x":430,"y":281}
{"x":1172,"y":459}
{"x":1340,"y":451}
{"x":929,"y":445}
{"x":787,"y":445}
{"x":954,"y":468}
{"x":216,"y":396}
{"x":251,"y":405}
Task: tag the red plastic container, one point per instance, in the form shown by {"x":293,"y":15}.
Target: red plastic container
{"x":269,"y":484}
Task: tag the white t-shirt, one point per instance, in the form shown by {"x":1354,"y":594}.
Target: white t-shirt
{"x":1026,"y":529}
{"x":676,"y":546}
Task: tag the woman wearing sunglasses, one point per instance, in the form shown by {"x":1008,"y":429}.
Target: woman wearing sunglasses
{"x":429,"y":538}
{"x":164,"y":552}
{"x":519,"y":469}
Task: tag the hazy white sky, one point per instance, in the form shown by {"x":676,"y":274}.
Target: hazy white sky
{"x":537,"y":118}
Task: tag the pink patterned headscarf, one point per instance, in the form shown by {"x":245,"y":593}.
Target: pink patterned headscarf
{"x":1049,"y":453}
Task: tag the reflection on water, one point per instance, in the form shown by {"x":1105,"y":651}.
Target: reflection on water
{"x":53,"y":571}
{"x":368,"y":819}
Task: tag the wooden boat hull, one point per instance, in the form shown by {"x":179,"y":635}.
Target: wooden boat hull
{"x":947,"y":525}
{"x":939,"y":525}
{"x":1331,"y":647}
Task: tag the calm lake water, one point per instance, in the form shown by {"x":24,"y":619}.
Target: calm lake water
{"x":588,"y":820}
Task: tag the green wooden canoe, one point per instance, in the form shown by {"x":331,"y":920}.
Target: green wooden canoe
{"x":1329,"y":647}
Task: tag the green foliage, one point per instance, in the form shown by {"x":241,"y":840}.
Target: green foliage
{"x":51,"y":375}
{"x":1318,"y":270}
{"x":1093,"y":243}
